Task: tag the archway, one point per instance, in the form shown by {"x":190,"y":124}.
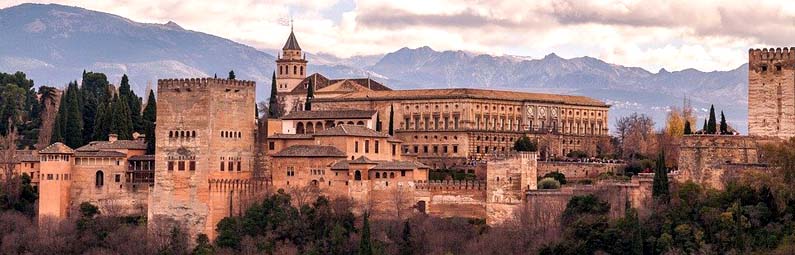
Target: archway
{"x":357,"y":175}
{"x":299,"y":128}
{"x":99,"y":179}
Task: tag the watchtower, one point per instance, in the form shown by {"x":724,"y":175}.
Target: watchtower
{"x":771,"y":92}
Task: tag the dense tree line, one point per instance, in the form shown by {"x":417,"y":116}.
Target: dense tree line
{"x":95,"y":109}
{"x":22,"y":107}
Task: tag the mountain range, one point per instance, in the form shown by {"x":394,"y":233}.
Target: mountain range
{"x":53,"y":44}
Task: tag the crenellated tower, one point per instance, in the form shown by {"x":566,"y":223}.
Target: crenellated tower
{"x":204,"y":159}
{"x":771,"y":92}
{"x":290,"y":66}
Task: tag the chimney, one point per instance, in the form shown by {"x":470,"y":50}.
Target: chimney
{"x":113,"y":137}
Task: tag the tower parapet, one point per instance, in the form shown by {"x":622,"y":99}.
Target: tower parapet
{"x":771,"y":97}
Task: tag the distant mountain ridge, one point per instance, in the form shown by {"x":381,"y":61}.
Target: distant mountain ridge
{"x":54,"y":44}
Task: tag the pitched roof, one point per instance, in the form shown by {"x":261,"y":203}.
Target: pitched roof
{"x":57,"y":148}
{"x":465,"y":93}
{"x":26,"y":158}
{"x":142,"y":157}
{"x":380,"y":164}
{"x":331,"y":114}
{"x":292,"y":43}
{"x":321,"y":82}
{"x":310,"y":151}
{"x":290,"y":136}
{"x":350,"y":130}
{"x":101,"y":154}
{"x":118,"y":144}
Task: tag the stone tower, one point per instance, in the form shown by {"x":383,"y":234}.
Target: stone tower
{"x":771,"y":92}
{"x":290,"y":66}
{"x":55,"y":181}
{"x":204,"y":157}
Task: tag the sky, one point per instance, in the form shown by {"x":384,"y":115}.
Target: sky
{"x":706,"y":35}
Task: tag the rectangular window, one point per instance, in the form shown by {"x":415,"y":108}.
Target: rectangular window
{"x":393,"y":150}
{"x":231,"y":166}
{"x":117,"y":178}
{"x":222,"y":166}
{"x":477,"y":149}
{"x":192,"y":166}
{"x":366,"y":146}
{"x":455,"y":148}
{"x":425,"y":149}
{"x":238,"y":165}
{"x":407,"y":123}
{"x":181,"y":166}
{"x":403,"y":173}
{"x":416,"y":149}
{"x":444,"y":149}
{"x":49,"y":176}
{"x":376,"y":147}
{"x":271,"y":146}
{"x":356,"y":147}
{"x":171,"y":166}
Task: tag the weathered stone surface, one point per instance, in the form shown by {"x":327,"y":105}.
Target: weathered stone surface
{"x":713,"y":160}
{"x":771,"y":92}
{"x":578,"y":170}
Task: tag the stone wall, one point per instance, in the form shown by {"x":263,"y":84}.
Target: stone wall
{"x":508,"y":179}
{"x":771,"y":94}
{"x":578,"y":170}
{"x":453,"y":198}
{"x":713,"y":160}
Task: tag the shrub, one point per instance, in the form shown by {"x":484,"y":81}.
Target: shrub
{"x":558,"y":176}
{"x":548,"y":183}
{"x":577,"y":154}
{"x":585,"y":181}
{"x":525,"y":144}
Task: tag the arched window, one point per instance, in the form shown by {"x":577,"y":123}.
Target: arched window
{"x":421,"y":206}
{"x":302,"y":70}
{"x":314,"y":183}
{"x":170,"y":134}
{"x":192,"y":133}
{"x":295,"y":69}
{"x":319,"y":126}
{"x":357,"y":175}
{"x":281,"y":70}
{"x":350,"y":122}
{"x":377,"y":175}
{"x":100,"y":178}
{"x":360,"y":123}
{"x":391,"y":175}
{"x":310,"y":128}
{"x":299,"y":128}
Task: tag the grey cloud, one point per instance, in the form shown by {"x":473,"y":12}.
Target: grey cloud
{"x":391,"y":18}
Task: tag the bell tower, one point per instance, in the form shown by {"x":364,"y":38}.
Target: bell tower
{"x":290,"y":66}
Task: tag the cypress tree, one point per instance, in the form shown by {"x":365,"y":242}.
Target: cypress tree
{"x":392,"y":120}
{"x":365,"y":245}
{"x":95,"y":90}
{"x":149,"y":117}
{"x":704,"y":129}
{"x":712,"y":125}
{"x":231,"y":75}
{"x":72,"y":128}
{"x":120,"y":119}
{"x":660,"y":184}
{"x":133,"y":103}
{"x":406,"y":247}
{"x":724,"y":128}
{"x":272,"y":103}
{"x":102,"y":129}
{"x":688,"y":130}
{"x":310,"y":93}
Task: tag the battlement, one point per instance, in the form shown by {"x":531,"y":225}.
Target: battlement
{"x":201,"y":83}
{"x":220,"y":185}
{"x":770,"y":54}
{"x":451,"y":185}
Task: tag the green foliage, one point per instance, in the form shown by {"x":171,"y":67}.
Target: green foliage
{"x":120,"y":121}
{"x":724,"y":128}
{"x":203,"y":246}
{"x":660,"y":185}
{"x":452,"y":174}
{"x":688,"y":129}
{"x":712,"y":125}
{"x":365,"y":243}
{"x":231,"y":75}
{"x":273,"y":103}
{"x":548,"y":183}
{"x":391,"y":120}
{"x":69,"y":122}
{"x":149,"y":118}
{"x":525,"y":144}
{"x":88,"y":210}
{"x":580,"y":205}
{"x":320,"y":227}
{"x":637,"y":166}
{"x":577,"y":154}
{"x":24,"y":200}
{"x":406,"y":246}
{"x":558,"y":176}
{"x":20,"y":106}
{"x":133,"y":104}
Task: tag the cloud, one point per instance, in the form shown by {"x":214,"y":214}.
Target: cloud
{"x":707,"y":35}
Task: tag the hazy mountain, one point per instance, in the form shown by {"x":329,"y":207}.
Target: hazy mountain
{"x":55,"y":43}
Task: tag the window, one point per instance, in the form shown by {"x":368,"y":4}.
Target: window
{"x":222,"y":166}
{"x":425,"y":149}
{"x":455,"y":148}
{"x":116,"y":178}
{"x":403,"y":173}
{"x":271,"y":146}
{"x":366,"y":146}
{"x":444,"y":149}
{"x":356,"y":176}
{"x":49,"y":176}
{"x":181,"y":165}
{"x":393,"y":150}
{"x":99,"y":179}
{"x":392,"y":175}
{"x":171,"y":166}
{"x":436,"y":149}
{"x":377,"y":175}
{"x":416,"y":149}
{"x":238,"y":165}
{"x":192,"y":166}
{"x":376,"y":147}
{"x":290,"y":171}
{"x":356,"y":147}
{"x":230,"y":165}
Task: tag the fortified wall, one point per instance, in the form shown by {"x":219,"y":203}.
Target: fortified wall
{"x":714,"y":160}
{"x":771,"y":94}
{"x":579,"y":170}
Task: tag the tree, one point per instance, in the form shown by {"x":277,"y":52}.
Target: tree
{"x":660,"y":184}
{"x":406,"y":246}
{"x":69,"y":123}
{"x":688,"y":130}
{"x":558,"y":176}
{"x":273,"y":107}
{"x":203,"y":246}
{"x":391,"y":120}
{"x":704,"y":129}
{"x":378,"y":122}
{"x":310,"y":94}
{"x":636,"y":136}
{"x":49,"y":97}
{"x":724,"y":128}
{"x":121,"y":124}
{"x":231,"y":75}
{"x":525,"y":144}
{"x":133,"y":103}
{"x":365,"y":244}
{"x":95,"y":90}
{"x":712,"y":126}
{"x":149,"y":117}
{"x":102,"y":127}
{"x":674,"y":123}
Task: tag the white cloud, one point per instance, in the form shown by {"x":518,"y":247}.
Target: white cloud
{"x":706,"y":35}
